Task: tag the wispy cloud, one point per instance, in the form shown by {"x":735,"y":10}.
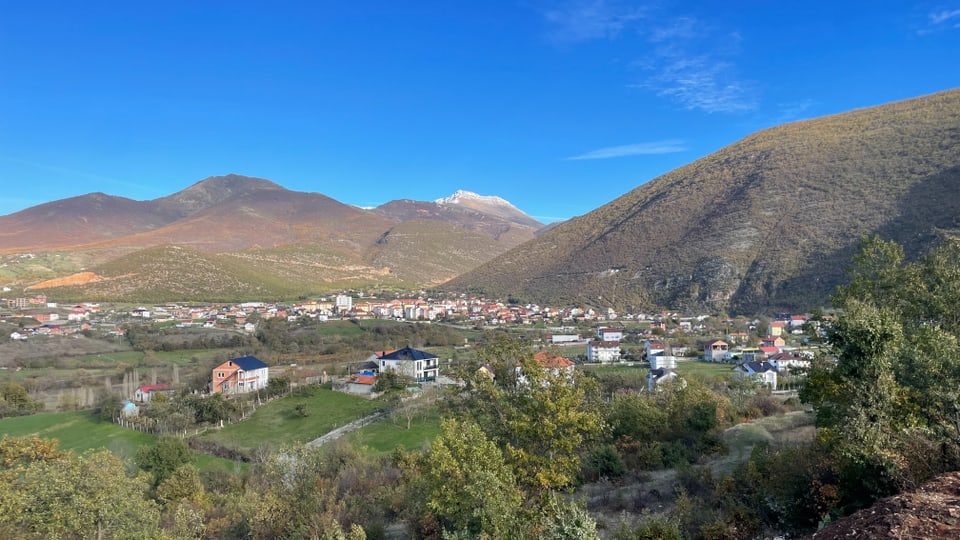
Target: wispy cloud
{"x":693,"y":64}
{"x":684,"y":59}
{"x":585,"y":20}
{"x":941,"y":17}
{"x":640,"y":149}
{"x":940,"y":20}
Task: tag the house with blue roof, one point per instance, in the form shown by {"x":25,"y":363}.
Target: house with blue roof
{"x":240,"y":375}
{"x":419,"y":365}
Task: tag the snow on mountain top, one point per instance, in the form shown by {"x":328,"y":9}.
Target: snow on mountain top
{"x":461,"y":195}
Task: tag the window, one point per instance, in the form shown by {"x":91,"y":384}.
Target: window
{"x":220,"y":375}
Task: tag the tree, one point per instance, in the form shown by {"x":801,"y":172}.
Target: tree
{"x":468,"y":483}
{"x":541,"y":423}
{"x":887,"y":404}
{"x":163,"y":458}
{"x":47,"y":494}
{"x":183,"y":483}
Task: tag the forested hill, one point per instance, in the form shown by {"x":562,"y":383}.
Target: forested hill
{"x":767,"y":223}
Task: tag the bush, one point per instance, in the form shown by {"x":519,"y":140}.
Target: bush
{"x":604,"y":462}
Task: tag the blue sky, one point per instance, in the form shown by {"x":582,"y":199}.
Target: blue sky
{"x":559,"y":106}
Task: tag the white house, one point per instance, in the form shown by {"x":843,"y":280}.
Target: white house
{"x":146,"y":392}
{"x":716,"y":350}
{"x":653,"y":347}
{"x":563,"y":338}
{"x":762,"y":372}
{"x":420,"y":365}
{"x":609,"y":334}
{"x":787,"y":361}
{"x":662,"y":361}
{"x":603,"y":352}
{"x":658,"y":377}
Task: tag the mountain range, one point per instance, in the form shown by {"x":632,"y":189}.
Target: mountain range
{"x":235,"y":235}
{"x":767,"y":223}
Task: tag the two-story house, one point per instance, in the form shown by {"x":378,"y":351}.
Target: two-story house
{"x":603,"y":352}
{"x":240,"y":375}
{"x":716,"y":351}
{"x":419,"y":365}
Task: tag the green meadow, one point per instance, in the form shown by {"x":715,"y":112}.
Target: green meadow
{"x":280,"y":422}
{"x":81,"y":431}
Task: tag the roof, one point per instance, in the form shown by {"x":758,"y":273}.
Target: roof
{"x":760,"y":367}
{"x":550,"y":360}
{"x":248,"y":363}
{"x":154,"y":387}
{"x":714,"y":342}
{"x":370,"y":364}
{"x":363,"y":379}
{"x":661,"y":374}
{"x":408,"y":353}
{"x":605,"y":344}
{"x":769,"y":350}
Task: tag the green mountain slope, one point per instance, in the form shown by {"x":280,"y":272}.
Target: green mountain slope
{"x":766,"y":223}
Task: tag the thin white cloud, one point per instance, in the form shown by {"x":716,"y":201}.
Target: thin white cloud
{"x":941,"y":17}
{"x":683,"y":27}
{"x":640,"y":149}
{"x":699,"y":82}
{"x":586,"y":20}
{"x":686,"y":60}
{"x":939,"y":20}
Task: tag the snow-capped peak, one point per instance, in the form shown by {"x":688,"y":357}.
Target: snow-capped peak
{"x":462,"y":195}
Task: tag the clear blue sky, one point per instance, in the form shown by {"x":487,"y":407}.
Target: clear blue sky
{"x":557,"y":106}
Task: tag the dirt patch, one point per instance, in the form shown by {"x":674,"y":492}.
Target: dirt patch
{"x":929,"y":512}
{"x":80,"y":278}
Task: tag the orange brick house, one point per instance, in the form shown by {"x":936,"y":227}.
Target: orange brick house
{"x":240,"y":375}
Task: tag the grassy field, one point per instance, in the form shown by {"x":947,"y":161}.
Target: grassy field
{"x":382,"y":437}
{"x":279,"y":422}
{"x":706,"y":370}
{"x":81,"y":431}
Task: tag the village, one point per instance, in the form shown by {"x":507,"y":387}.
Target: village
{"x":771,"y":352}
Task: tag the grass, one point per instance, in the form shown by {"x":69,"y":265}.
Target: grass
{"x":383,"y":437}
{"x":706,"y":370}
{"x":278,"y":422}
{"x":81,"y":431}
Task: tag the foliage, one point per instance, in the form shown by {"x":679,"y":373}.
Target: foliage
{"x":211,"y":409}
{"x":466,"y":481}
{"x":389,"y":380}
{"x":887,"y":406}
{"x":47,"y":494}
{"x":163,"y":458}
{"x":14,"y":400}
{"x":540,"y":420}
{"x":675,"y":425}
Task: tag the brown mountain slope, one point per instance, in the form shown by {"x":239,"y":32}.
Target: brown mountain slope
{"x":95,"y":216}
{"x":265,"y":218}
{"x":251,"y":235}
{"x":427,"y":252}
{"x":503,"y":223}
{"x":766,"y":223}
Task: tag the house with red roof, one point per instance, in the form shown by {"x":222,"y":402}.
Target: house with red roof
{"x":146,"y":392}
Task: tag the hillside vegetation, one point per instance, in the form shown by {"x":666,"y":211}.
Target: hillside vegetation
{"x":233,"y":237}
{"x":766,"y":223}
